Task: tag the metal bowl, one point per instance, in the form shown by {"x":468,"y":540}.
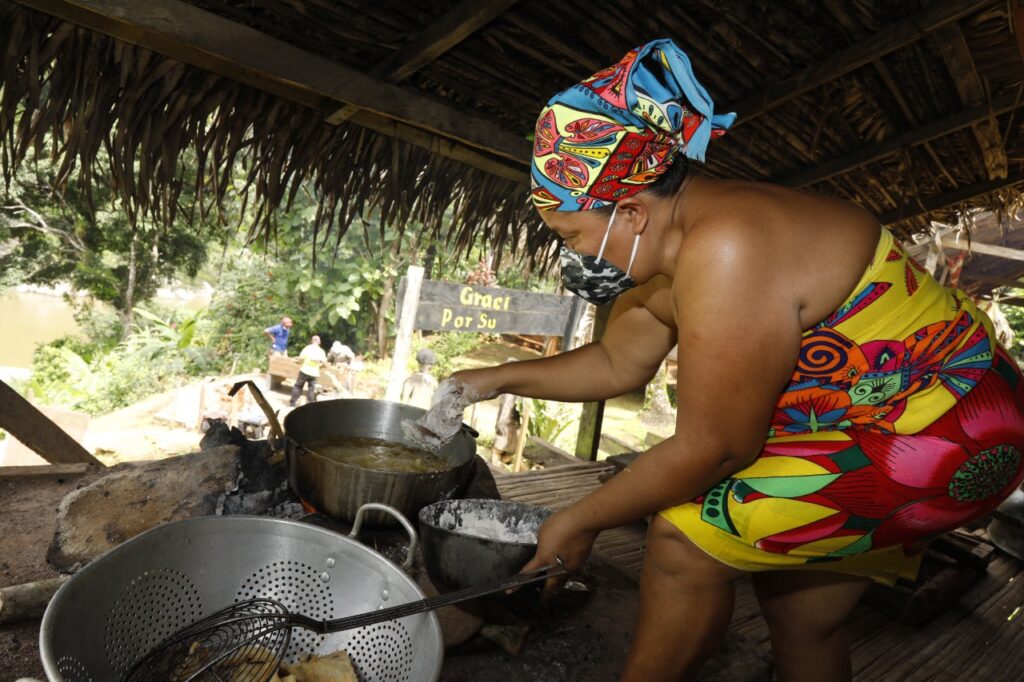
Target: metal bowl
{"x":471,"y":542}
{"x":340,"y":489}
{"x":121,"y":605}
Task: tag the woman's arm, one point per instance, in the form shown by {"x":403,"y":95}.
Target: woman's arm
{"x":634,"y":344}
{"x":739,"y":337}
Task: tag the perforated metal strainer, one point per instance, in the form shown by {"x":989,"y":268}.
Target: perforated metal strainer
{"x":121,"y":605}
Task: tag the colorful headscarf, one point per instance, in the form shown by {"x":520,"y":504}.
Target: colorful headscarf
{"x":615,"y":133}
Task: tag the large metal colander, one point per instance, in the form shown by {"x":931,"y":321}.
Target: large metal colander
{"x":129,"y":600}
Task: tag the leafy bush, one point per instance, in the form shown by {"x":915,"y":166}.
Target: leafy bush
{"x":100,"y":330}
{"x":549,"y":419}
{"x":81,"y":375}
{"x":1015,"y":317}
{"x":449,"y":347}
{"x":243,"y":306}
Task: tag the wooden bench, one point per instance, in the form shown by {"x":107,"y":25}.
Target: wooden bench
{"x":282,"y":368}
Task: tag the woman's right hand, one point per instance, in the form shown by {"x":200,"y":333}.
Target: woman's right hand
{"x":565,"y":540}
{"x":478,"y":384}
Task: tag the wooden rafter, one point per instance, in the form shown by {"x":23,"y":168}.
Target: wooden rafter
{"x":985,"y":249}
{"x":840,"y":11}
{"x":1014,"y":301}
{"x":957,"y":55}
{"x":456,"y":25}
{"x":990,"y":283}
{"x":440,"y":146}
{"x":879,"y":44}
{"x":210,"y":42}
{"x":929,"y":204}
{"x":930,"y":131}
{"x":1017,"y":20}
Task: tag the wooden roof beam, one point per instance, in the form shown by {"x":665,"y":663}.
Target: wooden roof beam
{"x":967,"y":278}
{"x":1014,"y":300}
{"x":852,"y":58}
{"x":1017,"y":21}
{"x":954,"y":50}
{"x":984,"y":249}
{"x":929,"y":204}
{"x":874,"y":152}
{"x":205,"y":40}
{"x":838,"y":8}
{"x":452,"y":28}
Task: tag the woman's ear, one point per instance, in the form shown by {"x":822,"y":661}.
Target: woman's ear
{"x":635,"y":213}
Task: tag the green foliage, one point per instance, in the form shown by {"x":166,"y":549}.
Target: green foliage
{"x":144,"y":364}
{"x":98,"y":376}
{"x":1015,"y":316}
{"x":243,"y":305}
{"x":450,"y":347}
{"x":177,"y":333}
{"x":549,"y":419}
{"x":335,"y":295}
{"x":100,"y":330}
{"x":91,"y":243}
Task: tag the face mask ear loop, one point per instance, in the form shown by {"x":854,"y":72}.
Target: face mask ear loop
{"x":636,"y":243}
{"x":607,"y":232}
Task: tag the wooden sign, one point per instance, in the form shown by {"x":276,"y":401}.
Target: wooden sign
{"x":450,"y":307}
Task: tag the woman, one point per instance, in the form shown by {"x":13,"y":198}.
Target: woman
{"x":837,"y":407}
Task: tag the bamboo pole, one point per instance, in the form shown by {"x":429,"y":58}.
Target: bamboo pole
{"x":524,"y":428}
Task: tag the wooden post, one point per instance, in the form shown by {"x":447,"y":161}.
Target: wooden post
{"x":35,"y":430}
{"x":202,"y":405}
{"x":403,"y":342}
{"x":575,"y":312}
{"x":589,"y":436}
{"x":524,"y":429}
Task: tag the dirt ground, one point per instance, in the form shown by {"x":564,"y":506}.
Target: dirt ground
{"x":28,"y":509}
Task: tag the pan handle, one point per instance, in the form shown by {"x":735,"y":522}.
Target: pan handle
{"x":257,"y":394}
{"x":413,"y":538}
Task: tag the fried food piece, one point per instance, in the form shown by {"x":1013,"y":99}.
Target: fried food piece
{"x":250,"y":655}
{"x":334,"y":667}
{"x":197,"y":657}
{"x":252,"y":672}
{"x":250,"y":664}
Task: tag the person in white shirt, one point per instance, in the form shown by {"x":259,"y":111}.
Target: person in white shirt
{"x":340,"y":354}
{"x":312,"y":356}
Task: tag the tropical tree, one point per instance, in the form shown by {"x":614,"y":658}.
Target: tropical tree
{"x":48,"y":237}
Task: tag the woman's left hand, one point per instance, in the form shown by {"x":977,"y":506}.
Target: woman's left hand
{"x":562,"y":538}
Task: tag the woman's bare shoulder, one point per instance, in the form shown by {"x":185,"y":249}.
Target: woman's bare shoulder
{"x":769,"y":241}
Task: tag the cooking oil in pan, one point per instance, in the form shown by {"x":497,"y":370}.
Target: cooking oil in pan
{"x":379,"y":455}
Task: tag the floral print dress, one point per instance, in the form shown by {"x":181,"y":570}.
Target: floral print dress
{"x":903,"y":420}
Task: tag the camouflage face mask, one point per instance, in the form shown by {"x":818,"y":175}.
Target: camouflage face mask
{"x":595,"y":280}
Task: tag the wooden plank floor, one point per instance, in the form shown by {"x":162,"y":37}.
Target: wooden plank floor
{"x":973,"y":640}
{"x":560,"y":486}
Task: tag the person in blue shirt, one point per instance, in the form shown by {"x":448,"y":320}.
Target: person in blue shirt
{"x":278,"y":335}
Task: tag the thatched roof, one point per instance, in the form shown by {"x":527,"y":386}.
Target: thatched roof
{"x":910,"y":108}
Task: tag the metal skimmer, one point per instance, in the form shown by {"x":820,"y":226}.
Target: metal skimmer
{"x":247,"y":640}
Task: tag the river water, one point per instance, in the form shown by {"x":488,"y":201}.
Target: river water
{"x":28,"y":319}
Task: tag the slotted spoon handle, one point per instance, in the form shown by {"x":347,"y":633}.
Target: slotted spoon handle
{"x":436,"y":602}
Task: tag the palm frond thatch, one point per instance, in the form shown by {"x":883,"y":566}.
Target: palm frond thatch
{"x":84,"y":92}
